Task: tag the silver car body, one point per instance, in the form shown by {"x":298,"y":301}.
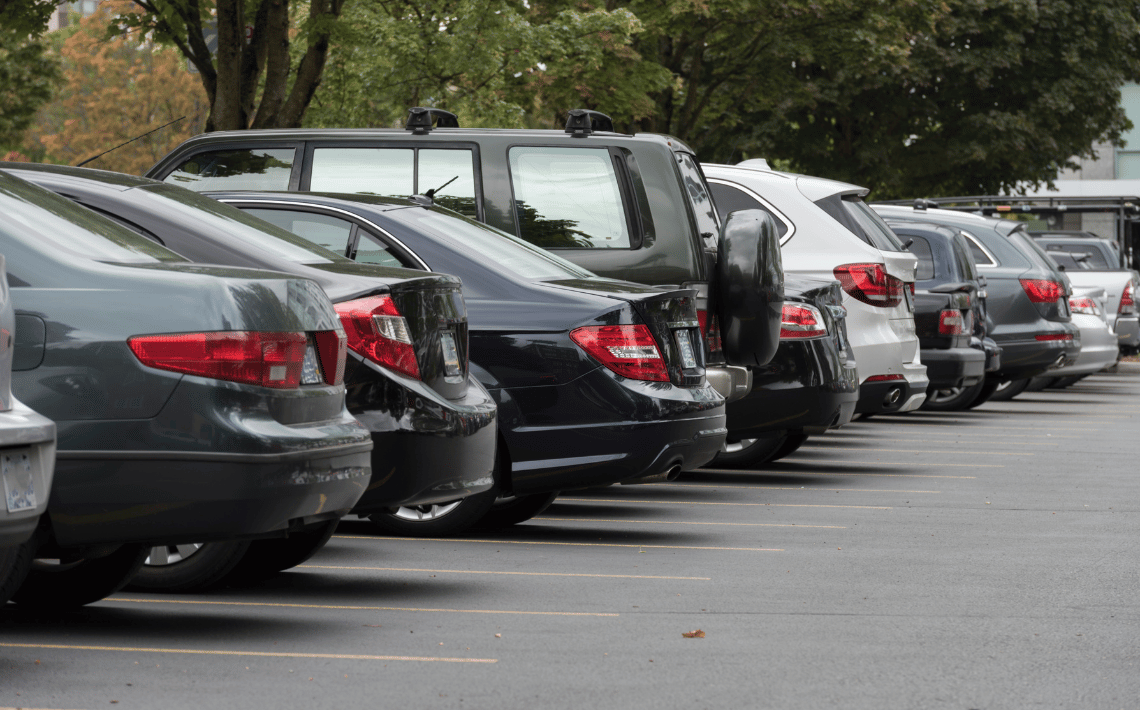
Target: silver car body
{"x":1099,"y":348}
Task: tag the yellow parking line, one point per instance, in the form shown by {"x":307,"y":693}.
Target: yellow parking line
{"x":929,"y":451}
{"x":564,"y":544}
{"x":522,"y":574}
{"x":353,"y":607}
{"x":735,"y":486}
{"x":958,"y":431}
{"x":877,"y":463}
{"x":571,"y":496}
{"x":679,"y":522}
{"x":955,"y":422}
{"x":260,"y":654}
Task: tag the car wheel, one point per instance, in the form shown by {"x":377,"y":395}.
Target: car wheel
{"x":1062,"y":382}
{"x":1036,"y":384}
{"x":748,"y":453}
{"x":512,"y":510}
{"x":951,"y":399}
{"x":268,"y":557}
{"x":988,"y":388}
{"x":53,"y":585}
{"x":194,"y":567}
{"x":438,"y":520}
{"x":1008,"y":390}
{"x":791,"y":444}
{"x":14,"y":565}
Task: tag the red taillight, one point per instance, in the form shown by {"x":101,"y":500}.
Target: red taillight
{"x":1044,"y":337}
{"x":266,"y":359}
{"x":950,"y":322}
{"x":332,"y":347}
{"x":1042,"y":290}
{"x":628,"y":350}
{"x":376,"y":330}
{"x":884,"y":378}
{"x":1127,"y":303}
{"x":871,"y":284}
{"x":801,"y":321}
{"x":1083,"y":304}
{"x":711,"y":331}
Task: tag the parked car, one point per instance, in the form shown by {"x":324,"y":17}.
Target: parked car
{"x":1090,"y":261}
{"x":193,"y":403}
{"x":1099,"y":344}
{"x":827,"y":231}
{"x":630,"y":207}
{"x":1027,"y":296}
{"x":27,"y":461}
{"x":567,"y":422}
{"x":949,"y":314}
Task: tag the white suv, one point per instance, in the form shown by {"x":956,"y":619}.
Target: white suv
{"x":826,"y":231}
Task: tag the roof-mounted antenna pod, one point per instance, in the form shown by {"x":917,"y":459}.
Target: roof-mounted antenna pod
{"x":582,"y":122}
{"x":922,"y":204}
{"x":420,"y":119}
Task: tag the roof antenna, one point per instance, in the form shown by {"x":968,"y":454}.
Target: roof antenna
{"x":427,"y":199}
{"x":85,"y":162}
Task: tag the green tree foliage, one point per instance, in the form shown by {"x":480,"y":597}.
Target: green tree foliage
{"x":493,"y":63}
{"x":259,"y":81}
{"x":27,"y":71}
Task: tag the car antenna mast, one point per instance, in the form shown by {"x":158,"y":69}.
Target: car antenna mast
{"x":85,"y":162}
{"x":431,"y":193}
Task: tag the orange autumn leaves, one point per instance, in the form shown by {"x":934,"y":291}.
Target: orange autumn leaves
{"x":113,"y":90}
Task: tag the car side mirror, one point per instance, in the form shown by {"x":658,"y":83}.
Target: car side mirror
{"x":749,"y":288}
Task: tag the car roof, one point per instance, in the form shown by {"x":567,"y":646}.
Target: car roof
{"x":812,"y":187}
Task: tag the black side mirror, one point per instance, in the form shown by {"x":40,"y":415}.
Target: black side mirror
{"x":749,"y":288}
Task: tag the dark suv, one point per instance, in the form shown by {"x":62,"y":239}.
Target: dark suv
{"x":635,"y":208}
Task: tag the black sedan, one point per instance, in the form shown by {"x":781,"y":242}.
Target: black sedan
{"x":193,"y":403}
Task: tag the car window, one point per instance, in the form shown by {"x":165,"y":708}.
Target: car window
{"x":860,"y":220}
{"x":981,"y":256}
{"x":568,"y":197}
{"x":508,"y":251}
{"x":332,"y":233}
{"x":1094,"y":257}
{"x":399,"y":172}
{"x":371,"y":250}
{"x":729,"y":199}
{"x":960,"y":246}
{"x":1032,"y":249}
{"x":1070,"y":261}
{"x":920,"y":247}
{"x":697,"y":189}
{"x":244,"y":169}
{"x":59,"y":222}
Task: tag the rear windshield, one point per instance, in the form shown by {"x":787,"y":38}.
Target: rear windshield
{"x":1070,"y":261}
{"x":516,"y":255}
{"x":1092,"y":257}
{"x":247,"y":229}
{"x":861,"y":220}
{"x":921,"y":248}
{"x":1032,"y":250}
{"x":33,"y":211}
{"x":963,"y":257}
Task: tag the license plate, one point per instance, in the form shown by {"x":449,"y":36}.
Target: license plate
{"x":19,"y":481}
{"x":909,"y":298}
{"x":450,"y":355}
{"x":685,"y":343}
{"x":310,"y":369}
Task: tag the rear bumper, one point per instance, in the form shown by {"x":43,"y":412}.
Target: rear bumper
{"x":1128,"y":331}
{"x":428,"y":449}
{"x":954,"y":367}
{"x":1099,"y":347}
{"x":23,"y":431}
{"x":603,"y":429}
{"x":881,"y":398}
{"x":1023,"y":358}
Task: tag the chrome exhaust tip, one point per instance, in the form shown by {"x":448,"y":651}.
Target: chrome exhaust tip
{"x":892,"y":397}
{"x":670,"y":474}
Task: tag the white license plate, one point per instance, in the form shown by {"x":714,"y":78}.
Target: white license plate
{"x":450,"y":355}
{"x":310,"y":367}
{"x":19,"y":480}
{"x":909,"y":298}
{"x":685,"y":343}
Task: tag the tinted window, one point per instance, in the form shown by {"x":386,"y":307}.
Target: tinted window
{"x":332,"y":233}
{"x":32,"y":212}
{"x":730,"y":199}
{"x":1095,"y":257}
{"x":370,"y":250}
{"x":1070,"y":261}
{"x":861,"y":220}
{"x":1031,"y":249}
{"x":507,"y":251}
{"x":568,"y":197}
{"x":697,"y":190}
{"x":438,"y":167}
{"x":961,"y":249}
{"x":245,"y":169}
{"x":980,"y":256}
{"x":920,"y":247}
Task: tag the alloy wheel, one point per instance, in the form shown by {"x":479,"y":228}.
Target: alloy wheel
{"x":170,"y":554}
{"x":426,"y":512}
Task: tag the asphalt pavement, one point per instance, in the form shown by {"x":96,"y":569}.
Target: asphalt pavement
{"x":985,"y":559}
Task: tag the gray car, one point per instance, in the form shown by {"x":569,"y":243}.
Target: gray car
{"x":193,"y":403}
{"x":27,"y":460}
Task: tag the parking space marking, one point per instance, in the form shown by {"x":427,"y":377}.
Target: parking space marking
{"x":964,"y":434}
{"x":735,"y":486}
{"x":680,"y":522}
{"x":876,"y":463}
{"x":571,"y":496}
{"x":521,"y":574}
{"x":925,"y":451}
{"x":565,"y":544}
{"x":353,"y":607}
{"x":955,"y":424}
{"x":260,"y":654}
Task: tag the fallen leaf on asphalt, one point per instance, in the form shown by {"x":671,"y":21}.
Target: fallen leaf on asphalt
{"x":698,"y":634}
{"x":498,"y":636}
{"x":372,"y":626}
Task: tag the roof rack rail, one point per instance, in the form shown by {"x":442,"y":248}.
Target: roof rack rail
{"x":581,"y":122}
{"x":420,"y":119}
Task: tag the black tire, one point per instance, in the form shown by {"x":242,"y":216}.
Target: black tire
{"x":952,"y":399}
{"x":204,"y":568}
{"x":55,"y":587}
{"x":512,"y":511}
{"x":1062,"y":382}
{"x":1036,"y":384}
{"x":15,"y":562}
{"x":752,"y":452}
{"x":988,"y":388}
{"x":266,"y":558}
{"x":437,"y":520}
{"x":791,"y":444}
{"x":1006,"y":392}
